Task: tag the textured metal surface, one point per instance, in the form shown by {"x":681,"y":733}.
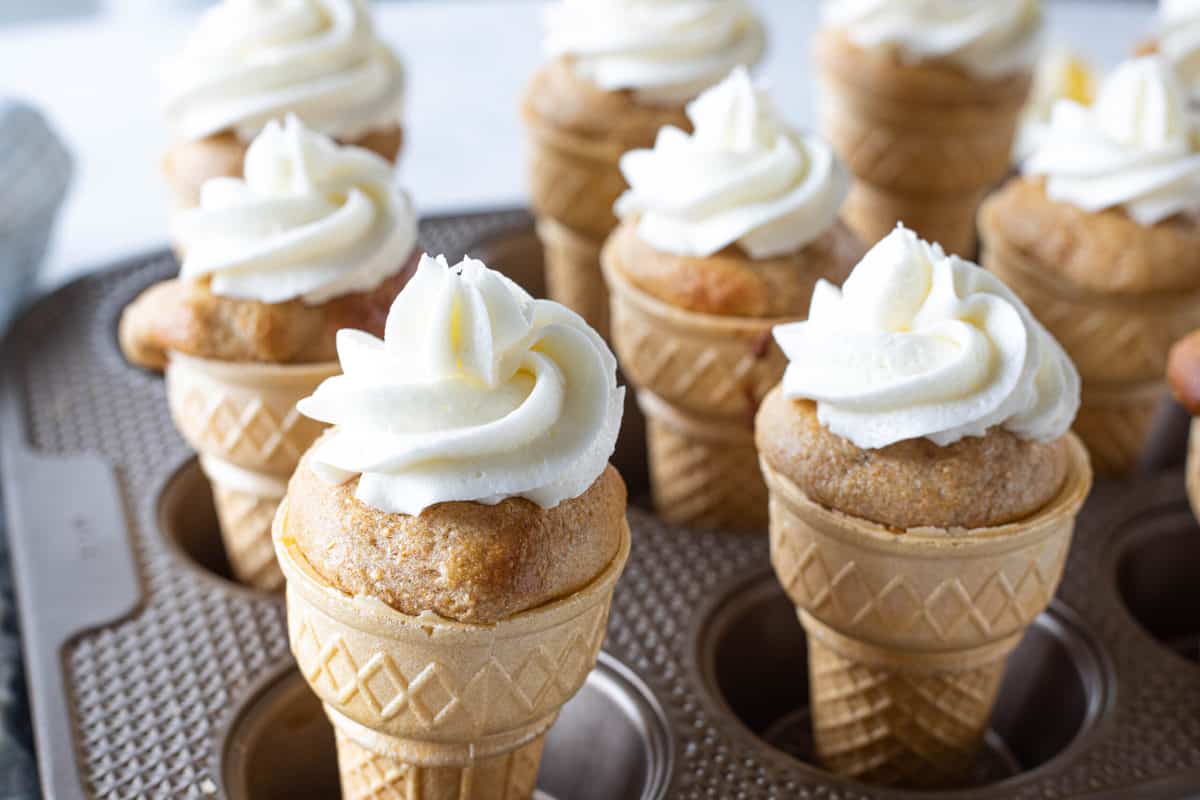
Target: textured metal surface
{"x":152,"y":696}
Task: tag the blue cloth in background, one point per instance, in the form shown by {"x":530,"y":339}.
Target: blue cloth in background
{"x":35,"y":171}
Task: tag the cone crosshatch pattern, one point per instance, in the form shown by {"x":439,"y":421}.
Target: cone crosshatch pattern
{"x":431,"y":695}
{"x":574,"y":183}
{"x":247,"y":425}
{"x":1119,"y":342}
{"x":573,"y":186}
{"x":573,"y":278}
{"x":367,"y":775}
{"x":424,"y":693}
{"x":701,"y":478}
{"x":700,"y":379}
{"x":1115,"y":424}
{"x":893,"y":728}
{"x":922,"y":150}
{"x":908,"y":633}
{"x":927,"y":608}
{"x":242,"y":420}
{"x":887,"y":150}
{"x":245,"y":519}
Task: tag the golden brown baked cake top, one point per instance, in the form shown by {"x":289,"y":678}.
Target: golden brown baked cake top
{"x":187,"y":165}
{"x":976,"y":482}
{"x":1105,"y":251}
{"x":934,"y":83}
{"x":185,"y":316}
{"x":1183,"y":372}
{"x":464,"y":561}
{"x":559,"y":99}
{"x":730,"y":283}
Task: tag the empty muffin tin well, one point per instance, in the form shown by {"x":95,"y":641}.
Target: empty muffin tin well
{"x":1158,"y":573}
{"x":753,"y":657}
{"x":179,"y":684}
{"x":610,"y":741}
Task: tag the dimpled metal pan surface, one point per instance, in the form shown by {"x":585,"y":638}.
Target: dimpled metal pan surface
{"x":152,"y":675}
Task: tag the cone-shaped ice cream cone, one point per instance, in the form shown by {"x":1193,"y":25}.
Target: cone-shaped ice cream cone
{"x":242,"y":420}
{"x":700,"y":378}
{"x":948,"y":219}
{"x":924,"y":141}
{"x":1114,"y":422}
{"x":367,"y":775}
{"x":573,"y":272}
{"x":577,"y":135}
{"x":574,"y":183}
{"x":427,"y":707}
{"x":908,"y":634}
{"x":1119,"y":340}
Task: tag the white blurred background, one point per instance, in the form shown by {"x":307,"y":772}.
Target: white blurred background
{"x":90,"y":65}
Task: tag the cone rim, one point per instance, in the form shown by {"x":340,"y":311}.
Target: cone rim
{"x":374,"y":617}
{"x":712,"y":324}
{"x":252,"y":373}
{"x":935,"y":543}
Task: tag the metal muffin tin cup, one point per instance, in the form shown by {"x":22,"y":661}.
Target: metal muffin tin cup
{"x":153,"y":674}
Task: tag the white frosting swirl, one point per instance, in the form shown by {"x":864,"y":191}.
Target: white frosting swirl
{"x":1134,"y":147}
{"x":921,"y":344}
{"x":743,"y":177}
{"x":1179,"y":40}
{"x":987,"y":38}
{"x":667,"y":51}
{"x":1061,"y":75}
{"x":477,"y":393}
{"x":251,"y":61}
{"x":311,"y":219}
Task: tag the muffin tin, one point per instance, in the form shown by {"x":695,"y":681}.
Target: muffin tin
{"x":152,"y":675}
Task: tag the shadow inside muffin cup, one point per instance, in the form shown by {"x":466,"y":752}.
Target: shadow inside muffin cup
{"x":1157,"y":568}
{"x":610,"y":741}
{"x":753,"y":660}
{"x":188,"y":520}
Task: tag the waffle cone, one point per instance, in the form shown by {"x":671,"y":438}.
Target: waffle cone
{"x":908,"y":634}
{"x":246,"y":503}
{"x":242,"y":420}
{"x":703,"y":471}
{"x":366,"y":774}
{"x":1119,"y":341}
{"x":432,"y":700}
{"x":948,"y":219}
{"x":573,"y":275}
{"x":1115,"y":422}
{"x":700,"y":379}
{"x":926,"y":141}
{"x":574,"y":180}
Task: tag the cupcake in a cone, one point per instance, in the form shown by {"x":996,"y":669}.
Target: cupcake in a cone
{"x":724,"y":233}
{"x":249,"y":62}
{"x":922,"y":100}
{"x":451,"y":544}
{"x":924,"y":488}
{"x":315,"y":238}
{"x":619,"y":71}
{"x":1101,"y":238}
{"x":1183,"y":374}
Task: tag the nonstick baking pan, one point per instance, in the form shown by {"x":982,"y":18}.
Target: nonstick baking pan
{"x":153,"y":675}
